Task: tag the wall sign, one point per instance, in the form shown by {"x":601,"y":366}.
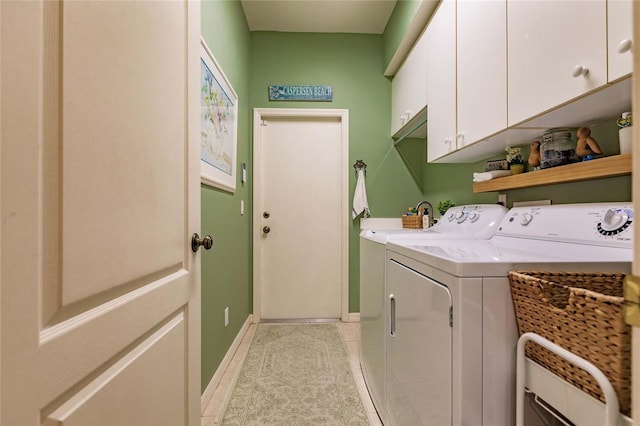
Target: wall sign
{"x":300,"y":93}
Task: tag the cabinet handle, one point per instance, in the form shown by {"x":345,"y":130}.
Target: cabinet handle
{"x":460,"y":137}
{"x":625,"y":46}
{"x":580,"y":70}
{"x":404,"y":118}
{"x":392,"y":316}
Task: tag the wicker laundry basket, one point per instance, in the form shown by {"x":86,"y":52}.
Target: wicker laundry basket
{"x":581,"y":312}
{"x":412,"y":222}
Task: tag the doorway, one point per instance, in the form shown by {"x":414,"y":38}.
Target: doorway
{"x":301,"y":214}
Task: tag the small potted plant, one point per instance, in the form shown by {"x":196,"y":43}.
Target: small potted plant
{"x":514,"y":158}
{"x":443,"y":206}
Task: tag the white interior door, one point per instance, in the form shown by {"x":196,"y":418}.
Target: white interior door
{"x":301,"y":213}
{"x":100,"y":196}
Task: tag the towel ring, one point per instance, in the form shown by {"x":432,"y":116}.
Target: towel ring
{"x":360,"y":165}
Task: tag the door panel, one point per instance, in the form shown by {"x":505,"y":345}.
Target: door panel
{"x":440,"y":44}
{"x":100,"y":188}
{"x":540,"y":69}
{"x":136,"y":136}
{"x":419,"y":366}
{"x":301,"y":275}
{"x":135,"y":372}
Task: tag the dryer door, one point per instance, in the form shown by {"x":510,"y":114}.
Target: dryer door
{"x":418,"y":349}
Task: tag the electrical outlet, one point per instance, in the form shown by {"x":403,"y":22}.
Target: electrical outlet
{"x":242,"y":207}
{"x":226,"y":316}
{"x":502,"y":199}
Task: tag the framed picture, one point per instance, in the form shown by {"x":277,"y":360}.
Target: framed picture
{"x":218,"y":124}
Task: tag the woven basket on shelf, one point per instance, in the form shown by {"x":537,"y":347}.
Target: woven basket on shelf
{"x":581,"y":312}
{"x":413,"y":221}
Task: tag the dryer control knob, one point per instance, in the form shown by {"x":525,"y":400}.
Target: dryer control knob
{"x":461,"y":217}
{"x":614,"y":222}
{"x":474,"y":217}
{"x":526,"y":219}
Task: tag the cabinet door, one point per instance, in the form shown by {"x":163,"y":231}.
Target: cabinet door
{"x":409,"y":87}
{"x":482,"y":69}
{"x":620,"y":29}
{"x":547,"y":42}
{"x":419,"y":352}
{"x":440,"y":45}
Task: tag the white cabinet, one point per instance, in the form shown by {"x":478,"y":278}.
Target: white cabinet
{"x":620,"y":31}
{"x":409,"y":88}
{"x":482,"y":69}
{"x":440,"y":44}
{"x":557,"y":51}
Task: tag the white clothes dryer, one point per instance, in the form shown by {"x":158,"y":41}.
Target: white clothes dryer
{"x":462,"y":222}
{"x":452,"y":330}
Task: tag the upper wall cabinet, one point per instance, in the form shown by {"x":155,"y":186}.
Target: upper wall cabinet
{"x":557,"y":51}
{"x":409,"y":88}
{"x":620,"y":28}
{"x":440,"y":45}
{"x":482,"y":69}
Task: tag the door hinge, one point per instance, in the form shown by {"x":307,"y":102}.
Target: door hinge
{"x":263,"y":123}
{"x":631,"y":288}
{"x":450,"y":316}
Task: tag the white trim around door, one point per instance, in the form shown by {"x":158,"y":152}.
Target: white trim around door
{"x":259,"y":115}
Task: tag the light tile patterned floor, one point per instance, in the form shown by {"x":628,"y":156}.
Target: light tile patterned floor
{"x":350,"y":332}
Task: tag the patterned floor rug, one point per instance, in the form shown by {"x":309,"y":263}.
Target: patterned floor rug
{"x":295,"y":375}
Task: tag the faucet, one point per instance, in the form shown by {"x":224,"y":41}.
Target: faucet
{"x":429,"y":210}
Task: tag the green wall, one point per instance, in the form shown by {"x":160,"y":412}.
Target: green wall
{"x":402,"y":15}
{"x":226,"y":268}
{"x":352,"y":64}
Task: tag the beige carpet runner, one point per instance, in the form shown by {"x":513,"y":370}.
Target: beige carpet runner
{"x":295,"y":375}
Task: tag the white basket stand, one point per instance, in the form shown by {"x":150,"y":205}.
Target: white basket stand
{"x":612,"y":409}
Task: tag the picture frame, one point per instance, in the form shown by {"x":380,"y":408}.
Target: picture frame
{"x":218,"y":124}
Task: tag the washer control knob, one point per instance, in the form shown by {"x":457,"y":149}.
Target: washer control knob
{"x":473,"y":217}
{"x":614,"y":222}
{"x":450,"y":217}
{"x":526,"y":219}
{"x":461,"y":217}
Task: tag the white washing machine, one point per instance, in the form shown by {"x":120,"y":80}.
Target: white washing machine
{"x":462,"y":222}
{"x":452,"y":330}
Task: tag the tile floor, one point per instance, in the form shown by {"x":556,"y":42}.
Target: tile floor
{"x":350,"y":332}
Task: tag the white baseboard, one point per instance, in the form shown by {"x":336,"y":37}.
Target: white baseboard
{"x":354,"y":317}
{"x":217,"y":377}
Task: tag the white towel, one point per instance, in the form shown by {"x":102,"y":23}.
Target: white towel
{"x":360,"y":203}
{"x":481,"y":177}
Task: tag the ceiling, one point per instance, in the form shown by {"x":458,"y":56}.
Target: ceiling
{"x":321,"y":16}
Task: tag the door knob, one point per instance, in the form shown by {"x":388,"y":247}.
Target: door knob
{"x":196,"y":242}
{"x":266,"y":229}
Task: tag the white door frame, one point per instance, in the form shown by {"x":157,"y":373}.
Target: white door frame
{"x":260,"y":114}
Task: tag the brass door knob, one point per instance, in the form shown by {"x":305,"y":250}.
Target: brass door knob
{"x":196,"y":242}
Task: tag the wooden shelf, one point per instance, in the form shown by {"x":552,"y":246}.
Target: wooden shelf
{"x":616,"y":165}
